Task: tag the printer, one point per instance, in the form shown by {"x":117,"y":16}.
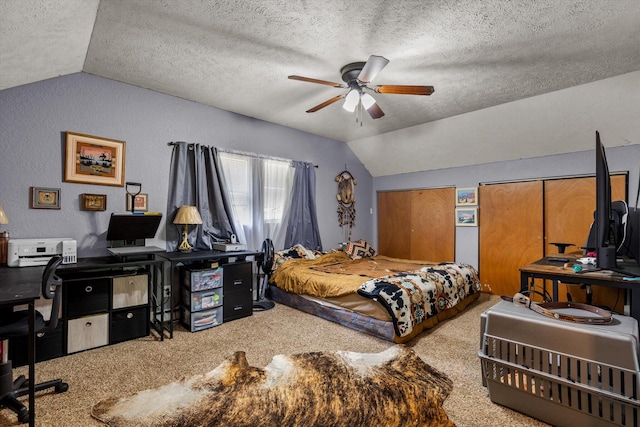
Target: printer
{"x":33,"y":252}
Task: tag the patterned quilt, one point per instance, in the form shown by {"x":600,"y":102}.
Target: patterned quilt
{"x":414,"y":296}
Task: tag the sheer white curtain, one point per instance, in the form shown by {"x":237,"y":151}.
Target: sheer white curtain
{"x":260,"y":195}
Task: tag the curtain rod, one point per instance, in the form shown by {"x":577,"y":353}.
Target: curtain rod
{"x":259,"y":156}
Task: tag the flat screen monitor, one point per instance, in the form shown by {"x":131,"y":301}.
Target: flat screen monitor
{"x":616,"y":227}
{"x":605,"y":244}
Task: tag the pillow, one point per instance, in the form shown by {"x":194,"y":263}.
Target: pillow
{"x":359,"y":249}
{"x":295,"y":251}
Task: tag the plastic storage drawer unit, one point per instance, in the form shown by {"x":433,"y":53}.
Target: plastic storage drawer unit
{"x":204,"y":300}
{"x":562,"y":373}
{"x":199,"y":320}
{"x":200,"y":279}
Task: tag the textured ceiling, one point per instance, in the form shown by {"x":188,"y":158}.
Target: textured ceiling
{"x":236,"y":55}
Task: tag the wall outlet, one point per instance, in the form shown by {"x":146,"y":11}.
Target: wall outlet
{"x":167,"y":291}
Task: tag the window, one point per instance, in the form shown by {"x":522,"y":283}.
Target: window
{"x":277,"y":177}
{"x":237,"y":176}
{"x":260,"y":194}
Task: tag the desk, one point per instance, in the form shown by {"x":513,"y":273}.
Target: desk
{"x":554,"y":271}
{"x":20,"y":286}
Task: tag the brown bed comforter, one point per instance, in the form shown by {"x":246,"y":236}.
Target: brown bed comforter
{"x":336,"y":274}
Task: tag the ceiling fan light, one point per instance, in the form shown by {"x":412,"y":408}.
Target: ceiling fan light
{"x":367,"y":100}
{"x":351,"y":101}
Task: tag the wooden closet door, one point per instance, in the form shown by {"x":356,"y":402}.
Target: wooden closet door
{"x":417,"y":224}
{"x":511,"y":226}
{"x":569,"y":205}
{"x":433,"y":225}
{"x":394,"y":219}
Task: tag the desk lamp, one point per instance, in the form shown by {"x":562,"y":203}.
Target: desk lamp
{"x":187,"y":215}
{"x":4,"y":237}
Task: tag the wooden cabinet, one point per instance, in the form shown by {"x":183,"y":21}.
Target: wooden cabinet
{"x":417,"y":224}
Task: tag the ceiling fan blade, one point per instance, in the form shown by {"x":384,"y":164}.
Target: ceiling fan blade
{"x":371,"y":68}
{"x":321,"y":82}
{"x":325,"y":103}
{"x":375,"y":111}
{"x":404,"y":90}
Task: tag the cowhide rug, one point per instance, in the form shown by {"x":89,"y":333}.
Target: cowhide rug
{"x":391,"y":388}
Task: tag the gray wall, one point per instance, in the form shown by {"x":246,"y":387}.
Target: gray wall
{"x":34,"y":117}
{"x":582,"y":163}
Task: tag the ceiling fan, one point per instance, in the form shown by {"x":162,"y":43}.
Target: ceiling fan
{"x":357,"y":77}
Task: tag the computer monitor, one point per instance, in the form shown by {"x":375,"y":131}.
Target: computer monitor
{"x":616,"y":227}
{"x":605,"y":234}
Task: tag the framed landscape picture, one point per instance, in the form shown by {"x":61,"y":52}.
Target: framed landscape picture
{"x":466,"y":196}
{"x":467,"y":217}
{"x":94,"y":160}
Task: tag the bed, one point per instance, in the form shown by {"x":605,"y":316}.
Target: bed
{"x":393,"y":299}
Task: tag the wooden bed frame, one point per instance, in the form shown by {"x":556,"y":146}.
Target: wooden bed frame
{"x":357,"y":321}
{"x":363,"y":310}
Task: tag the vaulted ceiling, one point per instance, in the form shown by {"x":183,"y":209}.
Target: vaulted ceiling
{"x":236,"y":55}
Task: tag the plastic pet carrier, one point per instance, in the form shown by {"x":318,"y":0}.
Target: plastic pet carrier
{"x":562,"y":373}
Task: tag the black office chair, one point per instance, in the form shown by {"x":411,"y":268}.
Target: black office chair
{"x":15,"y":324}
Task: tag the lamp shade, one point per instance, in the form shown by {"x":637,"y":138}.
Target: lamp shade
{"x":367,"y":101}
{"x":187,"y":215}
{"x":3,"y":216}
{"x":351,"y":101}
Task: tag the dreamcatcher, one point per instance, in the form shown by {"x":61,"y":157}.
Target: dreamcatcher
{"x":346,"y":202}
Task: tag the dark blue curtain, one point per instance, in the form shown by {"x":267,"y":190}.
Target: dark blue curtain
{"x":195,"y":179}
{"x":302,"y":227}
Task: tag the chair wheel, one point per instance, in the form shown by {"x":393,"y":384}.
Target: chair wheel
{"x":23,"y":416}
{"x":61,"y":388}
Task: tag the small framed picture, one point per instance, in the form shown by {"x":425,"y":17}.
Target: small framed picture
{"x":141,"y":203}
{"x":467,"y":217}
{"x":44,"y":198}
{"x":93,"y":202}
{"x":466,"y":196}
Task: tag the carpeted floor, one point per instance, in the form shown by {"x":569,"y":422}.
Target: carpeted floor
{"x":121,"y":369}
